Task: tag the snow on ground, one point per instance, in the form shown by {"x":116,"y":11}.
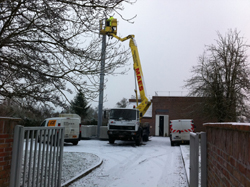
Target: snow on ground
{"x":155,"y":163}
{"x":185,"y":151}
{"x":74,"y":163}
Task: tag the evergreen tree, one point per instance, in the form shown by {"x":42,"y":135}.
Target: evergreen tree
{"x":79,"y":105}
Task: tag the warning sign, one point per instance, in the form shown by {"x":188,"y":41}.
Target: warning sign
{"x":52,"y":123}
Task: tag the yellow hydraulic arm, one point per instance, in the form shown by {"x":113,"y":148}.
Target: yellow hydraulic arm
{"x":111,"y":30}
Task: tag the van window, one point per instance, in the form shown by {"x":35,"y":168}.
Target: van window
{"x":43,"y":123}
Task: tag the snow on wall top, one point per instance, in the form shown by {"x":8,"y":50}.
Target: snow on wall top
{"x":236,"y":126}
{"x":227,"y":123}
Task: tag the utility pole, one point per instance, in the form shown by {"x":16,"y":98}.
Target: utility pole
{"x":100,"y":107}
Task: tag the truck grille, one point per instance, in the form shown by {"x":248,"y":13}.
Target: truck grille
{"x":122,"y":127}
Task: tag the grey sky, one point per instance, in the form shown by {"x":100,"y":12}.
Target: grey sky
{"x":171,"y":34}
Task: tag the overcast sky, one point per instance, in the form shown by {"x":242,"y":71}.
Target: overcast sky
{"x":171,"y":34}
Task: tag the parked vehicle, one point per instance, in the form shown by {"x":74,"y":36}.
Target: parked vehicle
{"x":180,"y":130}
{"x":124,"y":124}
{"x":72,"y":124}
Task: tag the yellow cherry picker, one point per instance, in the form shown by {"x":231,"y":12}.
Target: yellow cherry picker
{"x":125,"y":123}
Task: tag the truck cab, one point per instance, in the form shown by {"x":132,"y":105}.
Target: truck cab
{"x":124,"y":124}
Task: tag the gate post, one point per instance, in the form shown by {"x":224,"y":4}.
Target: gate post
{"x":203,"y":159}
{"x":194,"y":159}
{"x":7,"y":125}
{"x":17,"y":154}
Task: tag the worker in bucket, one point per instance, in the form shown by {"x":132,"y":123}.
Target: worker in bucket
{"x":109,"y":21}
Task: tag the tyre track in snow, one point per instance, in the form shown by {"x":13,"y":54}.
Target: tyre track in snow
{"x":157,"y":167}
{"x":124,"y":160}
{"x":153,"y":164}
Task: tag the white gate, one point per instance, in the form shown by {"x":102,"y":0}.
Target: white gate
{"x":37,"y":155}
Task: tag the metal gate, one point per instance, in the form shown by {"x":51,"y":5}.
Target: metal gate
{"x":194,"y":159}
{"x":37,"y":156}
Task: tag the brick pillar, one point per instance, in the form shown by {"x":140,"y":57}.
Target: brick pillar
{"x":6,"y":140}
{"x":228,"y":150}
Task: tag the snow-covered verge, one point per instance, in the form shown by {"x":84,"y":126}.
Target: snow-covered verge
{"x":75,"y":163}
{"x":185,"y":151}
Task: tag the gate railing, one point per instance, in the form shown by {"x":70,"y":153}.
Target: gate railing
{"x":194,"y":159}
{"x":37,"y":156}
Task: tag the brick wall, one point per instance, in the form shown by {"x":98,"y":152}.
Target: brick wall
{"x":180,"y":108}
{"x":228,"y":154}
{"x":6,"y":140}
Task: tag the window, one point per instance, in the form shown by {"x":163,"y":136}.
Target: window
{"x":124,"y":114}
{"x":43,"y":123}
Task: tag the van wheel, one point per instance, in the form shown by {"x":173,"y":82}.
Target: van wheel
{"x":172,"y":143}
{"x":111,"y":140}
{"x":75,"y":143}
{"x":52,"y":139}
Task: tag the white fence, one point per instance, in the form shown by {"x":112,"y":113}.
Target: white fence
{"x":35,"y":162}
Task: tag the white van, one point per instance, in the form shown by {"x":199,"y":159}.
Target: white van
{"x":72,"y":124}
{"x":180,"y":130}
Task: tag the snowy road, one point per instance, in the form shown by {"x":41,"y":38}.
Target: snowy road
{"x":154,"y":164}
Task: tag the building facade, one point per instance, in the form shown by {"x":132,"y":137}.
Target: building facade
{"x":164,"y":109}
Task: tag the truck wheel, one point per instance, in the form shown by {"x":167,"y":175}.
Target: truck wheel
{"x":52,"y":139}
{"x":145,"y":138}
{"x":138,"y":140}
{"x":111,"y":140}
{"x":75,"y":143}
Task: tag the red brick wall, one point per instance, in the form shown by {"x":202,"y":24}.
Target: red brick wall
{"x":180,"y":108}
{"x":228,"y":154}
{"x":6,"y":140}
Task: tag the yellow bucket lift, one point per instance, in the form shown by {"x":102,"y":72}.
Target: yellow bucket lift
{"x":107,"y":28}
{"x":111,"y":30}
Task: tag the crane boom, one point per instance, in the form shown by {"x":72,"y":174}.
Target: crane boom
{"x":145,"y":104}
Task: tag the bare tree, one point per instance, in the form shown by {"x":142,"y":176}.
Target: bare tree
{"x":123,"y":103}
{"x":50,"y":46}
{"x":32,"y":116}
{"x":222,"y":78}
